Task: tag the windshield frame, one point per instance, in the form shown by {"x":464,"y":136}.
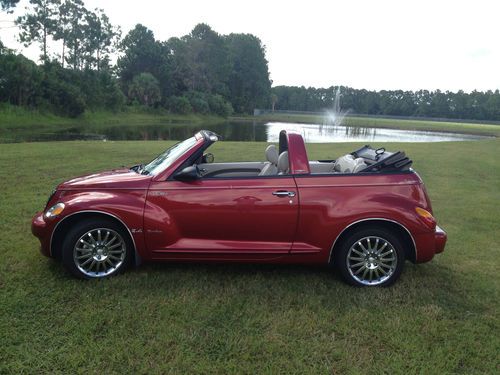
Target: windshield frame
{"x":168,"y":157}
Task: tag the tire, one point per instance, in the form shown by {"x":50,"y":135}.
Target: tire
{"x":371,"y":257}
{"x":96,"y":248}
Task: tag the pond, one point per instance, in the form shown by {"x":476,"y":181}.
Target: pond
{"x":316,"y":133}
{"x":235,"y":131}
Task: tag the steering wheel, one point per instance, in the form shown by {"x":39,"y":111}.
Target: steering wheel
{"x":200,"y":171}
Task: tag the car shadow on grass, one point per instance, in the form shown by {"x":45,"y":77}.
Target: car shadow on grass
{"x":431,"y":285}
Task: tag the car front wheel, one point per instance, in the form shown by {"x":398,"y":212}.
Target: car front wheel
{"x":371,"y":257}
{"x":96,"y":249}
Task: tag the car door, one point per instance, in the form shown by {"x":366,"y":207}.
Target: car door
{"x":221,"y":217}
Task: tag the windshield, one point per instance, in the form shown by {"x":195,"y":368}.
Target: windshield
{"x":166,"y":159}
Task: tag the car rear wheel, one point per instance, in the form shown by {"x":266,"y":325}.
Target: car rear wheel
{"x":371,"y":257}
{"x":96,"y":248}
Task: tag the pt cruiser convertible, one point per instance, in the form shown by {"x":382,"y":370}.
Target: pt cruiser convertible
{"x":365,"y":212}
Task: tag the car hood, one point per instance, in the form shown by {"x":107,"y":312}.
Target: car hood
{"x":114,"y":179}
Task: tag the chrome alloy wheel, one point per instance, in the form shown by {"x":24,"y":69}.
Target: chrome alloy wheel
{"x":99,"y":252}
{"x":371,"y":260}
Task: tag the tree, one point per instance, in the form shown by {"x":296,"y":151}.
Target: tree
{"x":71,"y":30}
{"x":20,"y":80}
{"x":178,"y":66}
{"x":100,"y":37}
{"x":249,"y":83}
{"x":89,"y":36}
{"x":39,"y":24}
{"x":63,"y":26}
{"x":145,"y":89}
{"x":7,"y":5}
{"x":206,"y":56}
{"x":202,"y":67}
{"x":476,"y":105}
{"x":142,"y":53}
{"x":139,"y":53}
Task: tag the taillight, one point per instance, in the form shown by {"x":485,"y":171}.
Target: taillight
{"x":426,"y":217}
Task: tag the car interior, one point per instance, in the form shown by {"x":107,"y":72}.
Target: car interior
{"x":364,"y":160}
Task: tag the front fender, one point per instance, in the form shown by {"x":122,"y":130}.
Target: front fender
{"x":125,"y":206}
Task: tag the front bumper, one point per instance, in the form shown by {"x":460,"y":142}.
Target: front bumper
{"x":42,"y":230}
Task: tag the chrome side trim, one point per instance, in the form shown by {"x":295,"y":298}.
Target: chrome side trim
{"x":94,"y":212}
{"x":373,"y":219}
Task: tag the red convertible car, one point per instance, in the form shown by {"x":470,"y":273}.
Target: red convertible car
{"x":364,"y":213}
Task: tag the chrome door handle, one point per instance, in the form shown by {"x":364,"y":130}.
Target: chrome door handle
{"x":282,"y":193}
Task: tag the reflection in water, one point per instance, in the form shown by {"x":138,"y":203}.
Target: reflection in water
{"x":316,"y":133}
{"x":239,"y":131}
{"x":229,"y":131}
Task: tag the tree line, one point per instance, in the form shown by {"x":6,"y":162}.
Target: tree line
{"x":476,"y":105}
{"x":202,"y":72}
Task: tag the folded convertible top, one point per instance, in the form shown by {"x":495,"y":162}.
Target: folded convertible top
{"x":382,"y":160}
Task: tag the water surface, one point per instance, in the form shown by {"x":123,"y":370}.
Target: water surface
{"x":234,"y":131}
{"x":316,"y":133}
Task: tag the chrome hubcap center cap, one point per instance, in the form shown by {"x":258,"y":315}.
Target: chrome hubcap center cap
{"x":371,"y":261}
{"x":100,"y":253}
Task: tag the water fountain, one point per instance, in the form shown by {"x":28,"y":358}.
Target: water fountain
{"x":335,"y":116}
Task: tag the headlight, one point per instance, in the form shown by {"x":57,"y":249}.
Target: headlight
{"x":54,"y":211}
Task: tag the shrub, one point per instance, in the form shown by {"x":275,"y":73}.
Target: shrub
{"x":219,"y":106}
{"x":179,"y":104}
{"x":145,"y":88}
{"x":199,"y":105}
{"x":65,"y":99}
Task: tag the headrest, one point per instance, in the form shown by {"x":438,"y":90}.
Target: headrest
{"x":272,"y":154}
{"x":283,"y":164}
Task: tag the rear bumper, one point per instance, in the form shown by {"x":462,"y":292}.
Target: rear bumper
{"x":440,"y":238}
{"x":40,"y":229}
{"x":429,"y":244}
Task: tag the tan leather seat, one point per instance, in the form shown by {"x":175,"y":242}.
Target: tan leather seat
{"x":271,"y":166}
{"x":283,"y":163}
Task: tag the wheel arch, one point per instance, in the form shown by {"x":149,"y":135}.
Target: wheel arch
{"x":57,"y":237}
{"x":395,"y":227}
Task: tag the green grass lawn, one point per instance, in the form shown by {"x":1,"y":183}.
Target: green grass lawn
{"x":440,"y":317}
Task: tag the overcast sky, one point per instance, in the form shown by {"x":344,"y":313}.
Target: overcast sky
{"x":439,"y":44}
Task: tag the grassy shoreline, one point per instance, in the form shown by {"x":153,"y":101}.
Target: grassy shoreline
{"x":441,"y":317}
{"x":14,"y":119}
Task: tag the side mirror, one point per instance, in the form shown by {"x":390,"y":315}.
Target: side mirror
{"x":190,"y":173}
